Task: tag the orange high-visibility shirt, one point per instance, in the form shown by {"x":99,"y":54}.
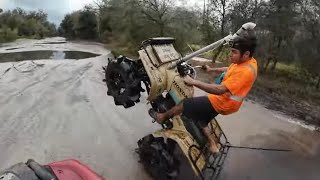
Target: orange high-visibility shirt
{"x":238,"y":80}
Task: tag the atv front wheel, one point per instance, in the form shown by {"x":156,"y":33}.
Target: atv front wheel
{"x":157,"y":158}
{"x":124,"y":81}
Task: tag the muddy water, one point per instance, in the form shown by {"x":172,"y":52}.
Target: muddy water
{"x":37,"y":55}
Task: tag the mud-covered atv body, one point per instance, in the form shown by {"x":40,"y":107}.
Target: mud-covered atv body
{"x":159,"y":71}
{"x":125,"y":79}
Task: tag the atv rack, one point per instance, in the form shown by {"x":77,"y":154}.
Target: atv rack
{"x":214,"y":164}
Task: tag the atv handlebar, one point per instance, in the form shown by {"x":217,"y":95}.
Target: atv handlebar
{"x":227,"y":39}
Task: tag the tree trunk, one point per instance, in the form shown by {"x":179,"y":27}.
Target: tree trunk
{"x":223,"y":21}
{"x":161,"y":26}
{"x":204,"y":12}
{"x":214,"y":58}
{"x":275,"y":60}
{"x":318,"y":83}
{"x":267,"y":64}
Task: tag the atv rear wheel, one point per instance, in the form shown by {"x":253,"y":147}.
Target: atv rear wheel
{"x":157,"y":158}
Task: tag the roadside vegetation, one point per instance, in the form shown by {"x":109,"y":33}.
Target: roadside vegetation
{"x":19,"y":23}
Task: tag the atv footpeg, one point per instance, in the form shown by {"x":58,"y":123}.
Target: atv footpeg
{"x":166,"y":125}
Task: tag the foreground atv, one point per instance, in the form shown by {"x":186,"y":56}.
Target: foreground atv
{"x":160,"y":70}
{"x":60,"y":170}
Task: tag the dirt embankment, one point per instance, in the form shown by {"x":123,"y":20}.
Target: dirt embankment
{"x":307,"y":111}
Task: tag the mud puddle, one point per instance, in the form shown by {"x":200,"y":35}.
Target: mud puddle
{"x":50,"y":55}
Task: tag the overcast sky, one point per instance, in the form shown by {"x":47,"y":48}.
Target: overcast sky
{"x":56,"y":9}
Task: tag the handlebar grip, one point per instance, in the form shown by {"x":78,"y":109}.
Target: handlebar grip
{"x":40,"y":171}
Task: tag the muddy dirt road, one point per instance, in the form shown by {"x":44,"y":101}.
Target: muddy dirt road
{"x":58,"y":109}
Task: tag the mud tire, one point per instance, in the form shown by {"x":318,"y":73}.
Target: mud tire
{"x":122,"y":82}
{"x":156,"y":158}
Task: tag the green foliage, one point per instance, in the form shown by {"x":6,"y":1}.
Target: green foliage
{"x":130,"y":22}
{"x":287,"y":30}
{"x":7,"y":35}
{"x":66,"y":27}
{"x":80,"y":24}
{"x":86,"y":26}
{"x":19,"y":23}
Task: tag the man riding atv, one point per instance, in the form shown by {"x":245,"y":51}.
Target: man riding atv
{"x":225,"y":97}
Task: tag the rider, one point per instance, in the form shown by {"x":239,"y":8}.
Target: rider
{"x":224,"y":98}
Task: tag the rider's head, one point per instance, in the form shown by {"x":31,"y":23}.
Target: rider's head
{"x":242,"y":48}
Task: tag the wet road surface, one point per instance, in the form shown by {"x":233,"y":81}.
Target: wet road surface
{"x":60,"y":110}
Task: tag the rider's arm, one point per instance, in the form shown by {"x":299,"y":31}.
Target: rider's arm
{"x":217,"y":70}
{"x":216,"y":89}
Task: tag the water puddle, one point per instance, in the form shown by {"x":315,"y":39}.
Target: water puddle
{"x":296,"y":121}
{"x":13,"y":48}
{"x":59,"y":42}
{"x":37,"y":55}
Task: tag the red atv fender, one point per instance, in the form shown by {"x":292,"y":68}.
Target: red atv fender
{"x":73,"y":169}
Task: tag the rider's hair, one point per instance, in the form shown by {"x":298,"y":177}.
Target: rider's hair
{"x":245,"y":42}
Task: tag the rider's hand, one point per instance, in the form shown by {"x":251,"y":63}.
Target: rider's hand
{"x":189,"y":81}
{"x":205,"y":68}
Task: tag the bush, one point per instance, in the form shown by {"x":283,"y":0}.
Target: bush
{"x":19,"y":23}
{"x":7,"y":35}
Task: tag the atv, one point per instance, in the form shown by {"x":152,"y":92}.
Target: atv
{"x":159,"y":71}
{"x":59,"y":170}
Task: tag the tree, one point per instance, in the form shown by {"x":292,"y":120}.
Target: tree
{"x":209,"y":24}
{"x":66,"y":27}
{"x":217,"y":11}
{"x":243,"y":11}
{"x":278,"y":21}
{"x":22,"y":23}
{"x":158,"y":12}
{"x":80,"y":24}
{"x":86,"y":27}
{"x":184,"y":27}
{"x":220,"y":9}
{"x":307,"y":43}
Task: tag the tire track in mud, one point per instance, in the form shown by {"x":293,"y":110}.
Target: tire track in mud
{"x":65,"y":126}
{"x":23,"y":125}
{"x":107,"y":125}
{"x":26,"y":120}
{"x":44,"y":78}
